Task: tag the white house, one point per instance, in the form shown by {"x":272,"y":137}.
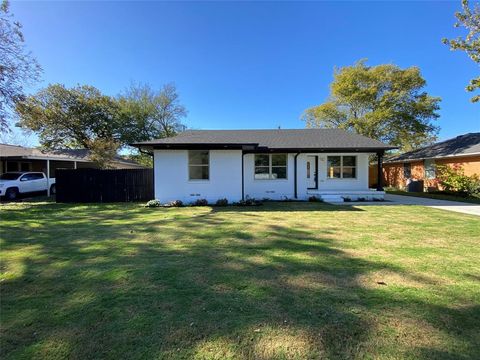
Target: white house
{"x":330,"y":164}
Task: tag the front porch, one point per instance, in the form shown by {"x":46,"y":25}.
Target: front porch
{"x":339,"y":196}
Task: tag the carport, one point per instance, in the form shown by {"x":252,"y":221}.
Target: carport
{"x":19,"y":158}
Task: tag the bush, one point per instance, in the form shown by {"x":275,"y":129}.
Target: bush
{"x":346,"y":199}
{"x":153,"y":203}
{"x":314,"y":199}
{"x":361,"y":199}
{"x":453,"y":179}
{"x":249,"y":202}
{"x":174,"y":203}
{"x":391,"y":188}
{"x":222,"y":202}
{"x":200,"y":202}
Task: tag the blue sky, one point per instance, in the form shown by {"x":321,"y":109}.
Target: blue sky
{"x":248,"y":64}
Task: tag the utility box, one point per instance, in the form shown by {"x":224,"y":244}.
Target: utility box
{"x":414,"y":185}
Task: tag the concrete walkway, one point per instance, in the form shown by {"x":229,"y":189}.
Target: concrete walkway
{"x":456,"y":206}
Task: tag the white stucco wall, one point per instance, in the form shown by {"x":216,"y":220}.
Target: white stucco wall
{"x":172,"y":183}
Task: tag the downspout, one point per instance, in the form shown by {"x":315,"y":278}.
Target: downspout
{"x":295,"y":175}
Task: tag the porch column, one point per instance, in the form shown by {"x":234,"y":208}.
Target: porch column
{"x":74,"y":164}
{"x":295,"y":191}
{"x":379,"y":171}
{"x":243,"y":176}
{"x":48,"y":178}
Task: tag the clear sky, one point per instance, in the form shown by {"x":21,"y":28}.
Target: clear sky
{"x":248,"y":64}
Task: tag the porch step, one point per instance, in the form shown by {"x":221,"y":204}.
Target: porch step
{"x":332,"y":198}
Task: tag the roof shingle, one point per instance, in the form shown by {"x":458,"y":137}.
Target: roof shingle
{"x":463,"y":145}
{"x":273,"y":139}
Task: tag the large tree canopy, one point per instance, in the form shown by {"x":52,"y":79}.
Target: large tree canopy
{"x":149,"y":114}
{"x":470,"y":20}
{"x":17,"y":66}
{"x":70,"y":118}
{"x":383,"y":102}
{"x":84,"y":117}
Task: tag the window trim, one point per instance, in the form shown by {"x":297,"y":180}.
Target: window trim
{"x":189,"y":165}
{"x":270,"y":166}
{"x":341,"y":168}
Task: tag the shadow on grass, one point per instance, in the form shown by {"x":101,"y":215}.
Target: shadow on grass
{"x":119,"y":281}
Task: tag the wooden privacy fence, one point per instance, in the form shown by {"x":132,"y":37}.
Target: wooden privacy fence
{"x":95,"y":185}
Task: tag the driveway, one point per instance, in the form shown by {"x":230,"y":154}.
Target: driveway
{"x":461,"y":207}
{"x":456,"y":206}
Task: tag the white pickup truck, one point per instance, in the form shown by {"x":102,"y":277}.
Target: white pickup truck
{"x":13,"y":184}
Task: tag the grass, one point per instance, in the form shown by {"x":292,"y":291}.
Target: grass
{"x":437,"y":196}
{"x":283,"y":280}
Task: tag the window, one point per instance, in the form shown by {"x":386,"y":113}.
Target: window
{"x":341,"y":167}
{"x":430,"y":169}
{"x":407,"y":170}
{"x":198,"y":165}
{"x":32,"y":176}
{"x":26,"y":177}
{"x":270,"y":166}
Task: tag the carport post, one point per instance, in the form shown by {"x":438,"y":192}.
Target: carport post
{"x":48,"y":178}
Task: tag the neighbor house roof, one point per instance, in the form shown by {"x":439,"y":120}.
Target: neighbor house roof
{"x":279,"y":139}
{"x":463,"y":145}
{"x":82,"y":155}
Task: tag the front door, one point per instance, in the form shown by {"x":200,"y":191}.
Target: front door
{"x":312,"y":172}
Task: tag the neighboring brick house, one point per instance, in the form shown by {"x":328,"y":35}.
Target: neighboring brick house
{"x":463,"y":150}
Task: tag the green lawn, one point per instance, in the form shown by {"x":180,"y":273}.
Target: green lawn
{"x":437,"y":196}
{"x":283,"y":280}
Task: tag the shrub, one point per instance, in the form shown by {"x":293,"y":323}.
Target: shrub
{"x":222,"y":202}
{"x":200,"y":202}
{"x":453,"y":179}
{"x":249,"y":202}
{"x":361,"y":199}
{"x":346,"y":199}
{"x":314,"y":199}
{"x":391,"y":188}
{"x":174,"y":203}
{"x":153,"y":203}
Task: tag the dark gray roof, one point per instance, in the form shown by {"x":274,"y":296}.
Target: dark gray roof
{"x":463,"y":145}
{"x":271,"y":139}
{"x":12,"y":151}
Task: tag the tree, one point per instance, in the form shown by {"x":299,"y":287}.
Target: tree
{"x":470,"y":19}
{"x":17,"y":66}
{"x":382,"y":102}
{"x":70,"y":118}
{"x":147,"y":114}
